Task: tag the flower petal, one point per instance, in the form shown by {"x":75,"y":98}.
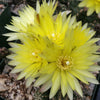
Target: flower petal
{"x":70,"y":80}
{"x":63,"y":88}
{"x":85,"y":73}
{"x":46,"y":86}
{"x":29,"y":81}
{"x":92,"y":80}
{"x":42,"y":79}
{"x":56,"y":81}
{"x":70,"y":93}
{"x":78,"y":87}
{"x":90,"y":11}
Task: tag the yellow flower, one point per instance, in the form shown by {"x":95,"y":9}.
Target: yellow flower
{"x":42,"y":22}
{"x":58,"y":52}
{"x":92,"y":5}
{"x":67,"y":65}
{"x":26,"y":58}
{"x":28,"y":18}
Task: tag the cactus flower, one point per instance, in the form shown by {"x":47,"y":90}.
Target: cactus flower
{"x":92,"y":5}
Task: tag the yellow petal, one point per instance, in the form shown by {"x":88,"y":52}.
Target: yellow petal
{"x":46,"y":86}
{"x":90,"y":11}
{"x":70,"y":93}
{"x":63,"y":88}
{"x":78,"y":87}
{"x":16,"y":70}
{"x":21,"y":75}
{"x":29,"y":81}
{"x":92,"y":80}
{"x":63,"y":78}
{"x":70,"y":80}
{"x":79,"y":76}
{"x":42,"y":79}
{"x":94,"y":68}
{"x":49,"y":68}
{"x":56,"y":81}
{"x":85,"y":73}
{"x":38,"y":7}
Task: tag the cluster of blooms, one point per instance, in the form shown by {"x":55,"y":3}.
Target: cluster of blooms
{"x":57,"y":51}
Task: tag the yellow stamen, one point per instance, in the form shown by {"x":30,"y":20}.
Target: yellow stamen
{"x":64,"y":63}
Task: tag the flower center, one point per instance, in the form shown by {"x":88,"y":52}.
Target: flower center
{"x":64,"y":63}
{"x":67,"y":63}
